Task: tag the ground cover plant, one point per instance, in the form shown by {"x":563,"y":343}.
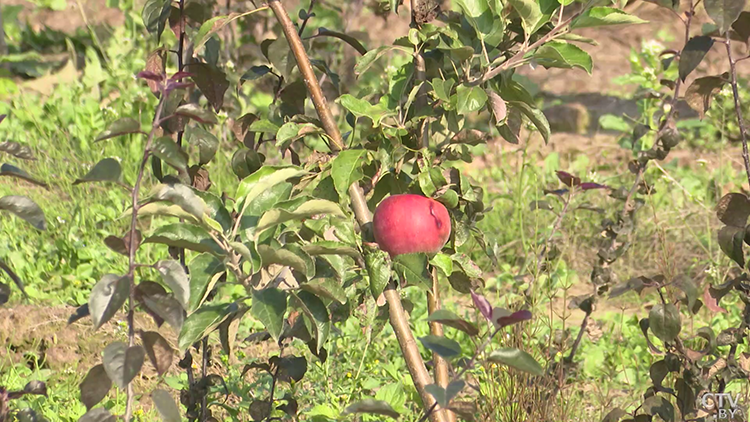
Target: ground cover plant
{"x":253,"y":216}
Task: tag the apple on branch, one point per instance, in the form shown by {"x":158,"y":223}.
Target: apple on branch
{"x":409,"y":223}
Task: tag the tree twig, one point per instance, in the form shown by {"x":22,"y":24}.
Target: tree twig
{"x":398,"y":318}
{"x":738,"y":106}
{"x":132,"y":246}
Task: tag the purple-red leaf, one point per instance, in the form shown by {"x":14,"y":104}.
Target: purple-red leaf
{"x":568,"y":179}
{"x":502,"y":317}
{"x":592,"y":185}
{"x":482,"y":304}
{"x":145,"y":74}
{"x":180,"y":75}
{"x":514,"y":318}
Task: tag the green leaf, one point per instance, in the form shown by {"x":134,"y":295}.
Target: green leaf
{"x":166,"y":406}
{"x":362,"y":108}
{"x":155,"y":15}
{"x":563,"y":55}
{"x":442,"y":346}
{"x":443,"y":89}
{"x":478,"y":13}
{"x":264,"y":126}
{"x":444,"y":395}
{"x":657,"y":405}
{"x":202,"y":322}
{"x":316,"y":311}
{"x":366,"y":61}
{"x":467,"y":265}
{"x":13,"y":171}
{"x":122,"y":363}
{"x":329,"y":247}
{"x":214,"y":25}
{"x":197,"y":113}
{"x":107,"y":297}
{"x":205,"y":270}
{"x":281,"y":57}
{"x":529,"y":12}
{"x":106,"y":170}
{"x":326,"y":287}
{"x":693,"y":53}
{"x":182,"y":196}
{"x":731,"y":242}
{"x":157,"y":208}
{"x":171,"y":153}
{"x":536,"y":116}
{"x":444,"y":262}
{"x":665,"y":322}
{"x":518,"y":359}
{"x":446,"y":317}
{"x":724,"y":12}
{"x":269,"y":307}
{"x":120,"y":127}
{"x":25,"y":209}
{"x":346,"y":169}
{"x":176,"y":278}
{"x":246,"y":162}
{"x":206,"y":141}
{"x":292,"y":131}
{"x":308,"y":209}
{"x":184,"y":235}
{"x":262,"y":182}
{"x":290,"y":255}
{"x":600,"y":16}
{"x":412,"y":269}
{"x":378,"y":271}
{"x":215,"y":209}
{"x":470,"y":99}
{"x":372,"y":406}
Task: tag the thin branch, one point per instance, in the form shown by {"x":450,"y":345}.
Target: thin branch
{"x":132,"y":247}
{"x":311,"y":81}
{"x":519,"y":56}
{"x":738,"y":106}
{"x":307,"y":18}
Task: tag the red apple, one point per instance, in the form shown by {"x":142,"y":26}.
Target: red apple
{"x":409,"y":223}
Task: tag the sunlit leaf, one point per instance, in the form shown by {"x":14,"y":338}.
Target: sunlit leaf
{"x":95,"y":386}
{"x":122,"y":363}
{"x":445,"y":347}
{"x":123,"y":126}
{"x":107,"y":297}
{"x":269,"y":307}
{"x":665,"y":322}
{"x":693,"y":53}
{"x":517,"y":359}
{"x":25,"y":209}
